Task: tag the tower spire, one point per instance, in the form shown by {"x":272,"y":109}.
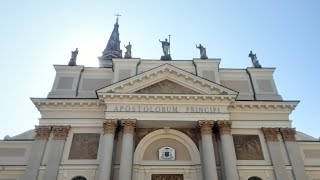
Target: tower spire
{"x":112,"y":49}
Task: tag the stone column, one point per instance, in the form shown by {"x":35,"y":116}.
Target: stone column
{"x":279,"y":166}
{"x":36,"y":153}
{"x":105,"y":161}
{"x":126,"y":160}
{"x":228,"y":151}
{"x":288,"y":136}
{"x":209,"y":162}
{"x":200,"y":151}
{"x":218,"y":149}
{"x":60,"y":133}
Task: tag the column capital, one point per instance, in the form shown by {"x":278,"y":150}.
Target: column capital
{"x":288,"y":134}
{"x":224,"y":126}
{"x":128,"y":125}
{"x":271,"y":134}
{"x":205,"y":126}
{"x":60,"y":132}
{"x":42,"y":132}
{"x":109,"y":126}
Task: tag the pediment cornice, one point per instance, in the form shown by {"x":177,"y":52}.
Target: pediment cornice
{"x":108,"y":97}
{"x":167,"y":73}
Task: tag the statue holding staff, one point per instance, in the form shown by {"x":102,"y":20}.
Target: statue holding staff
{"x":166,"y":49}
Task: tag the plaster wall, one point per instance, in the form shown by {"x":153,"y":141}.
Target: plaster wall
{"x":14,"y":152}
{"x":239,"y":80}
{"x":93,"y":79}
{"x":146,"y":65}
{"x":11,"y":172}
{"x":310,"y":153}
{"x":66,"y":81}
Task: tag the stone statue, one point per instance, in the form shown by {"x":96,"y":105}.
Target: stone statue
{"x":73,"y":59}
{"x":254,"y":59}
{"x":203,"y":52}
{"x":165,"y":49}
{"x":128,"y":52}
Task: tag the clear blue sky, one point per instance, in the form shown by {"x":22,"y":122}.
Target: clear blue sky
{"x":34,"y":35}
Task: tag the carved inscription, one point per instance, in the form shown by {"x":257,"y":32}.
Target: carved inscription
{"x":84,"y":146}
{"x":248,"y":147}
{"x":166,"y":109}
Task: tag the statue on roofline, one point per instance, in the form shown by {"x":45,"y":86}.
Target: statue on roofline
{"x":128,"y":52}
{"x":203,"y":51}
{"x":254,"y":60}
{"x":73,"y":59}
{"x":166,"y":49}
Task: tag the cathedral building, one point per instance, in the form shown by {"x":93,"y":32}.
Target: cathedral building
{"x":164,"y":119}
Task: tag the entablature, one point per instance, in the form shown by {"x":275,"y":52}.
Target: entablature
{"x":264,"y":105}
{"x":43,"y":103}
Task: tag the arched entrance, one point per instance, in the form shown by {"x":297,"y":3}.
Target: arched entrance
{"x":166,"y":153}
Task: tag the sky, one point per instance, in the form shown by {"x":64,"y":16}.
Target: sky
{"x":36,"y":34}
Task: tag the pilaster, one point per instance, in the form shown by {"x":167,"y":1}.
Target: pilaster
{"x":36,"y":153}
{"x":288,"y":136}
{"x":60,"y":133}
{"x":42,"y":132}
{"x":271,"y":136}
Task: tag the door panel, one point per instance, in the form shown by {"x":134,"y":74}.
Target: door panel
{"x":167,"y":177}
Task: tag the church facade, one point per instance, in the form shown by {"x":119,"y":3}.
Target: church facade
{"x":142,"y":119}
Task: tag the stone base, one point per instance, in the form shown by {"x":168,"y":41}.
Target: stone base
{"x":166,"y":58}
{"x":204,"y":57}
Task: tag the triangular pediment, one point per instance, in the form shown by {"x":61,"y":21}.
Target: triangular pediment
{"x":166,"y":79}
{"x":166,"y":87}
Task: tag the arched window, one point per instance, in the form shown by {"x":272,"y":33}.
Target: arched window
{"x":254,"y":178}
{"x":79,"y":178}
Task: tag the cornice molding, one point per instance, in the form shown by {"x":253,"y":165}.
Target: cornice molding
{"x":85,"y":103}
{"x":120,"y":96}
{"x":170,"y":72}
{"x":264,"y":105}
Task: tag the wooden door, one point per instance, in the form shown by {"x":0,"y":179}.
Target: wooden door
{"x":167,"y":177}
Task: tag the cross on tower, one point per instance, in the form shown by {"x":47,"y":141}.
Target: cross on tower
{"x":117,"y":16}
